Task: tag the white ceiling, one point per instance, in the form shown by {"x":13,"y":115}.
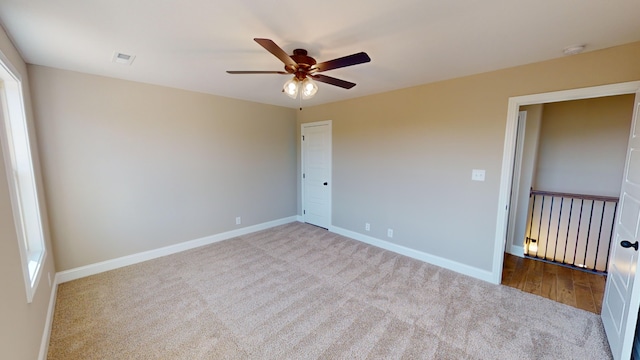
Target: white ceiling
{"x":189,"y":44}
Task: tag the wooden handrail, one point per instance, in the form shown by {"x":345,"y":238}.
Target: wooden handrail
{"x":575,"y":196}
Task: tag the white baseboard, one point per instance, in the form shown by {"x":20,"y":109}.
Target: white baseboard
{"x":92,"y":269}
{"x":46,"y":334}
{"x":419,"y":255}
{"x":299,"y":218}
{"x":517,"y":250}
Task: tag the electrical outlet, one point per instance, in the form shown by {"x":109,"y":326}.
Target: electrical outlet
{"x":477,"y":175}
{"x":390,"y":233}
{"x":367,"y":226}
{"x":238,"y":220}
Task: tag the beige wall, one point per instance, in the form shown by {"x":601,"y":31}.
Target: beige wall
{"x":21,"y":324}
{"x":583,"y":144}
{"x":403,"y":159}
{"x":131,"y":167}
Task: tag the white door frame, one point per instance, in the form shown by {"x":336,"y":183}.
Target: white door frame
{"x":509,"y":151}
{"x":516,"y":249}
{"x":330,"y":170}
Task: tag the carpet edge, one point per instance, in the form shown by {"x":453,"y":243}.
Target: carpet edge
{"x":112,"y":264}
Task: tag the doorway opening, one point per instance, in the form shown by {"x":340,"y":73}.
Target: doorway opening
{"x":512,"y":165}
{"x":567,"y":173}
{"x":622,"y":289}
{"x":569,"y":162}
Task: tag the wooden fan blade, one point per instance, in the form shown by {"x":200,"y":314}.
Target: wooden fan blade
{"x":258,"y":72}
{"x":278,"y":52}
{"x":333,"y":81}
{"x":354,"y":59}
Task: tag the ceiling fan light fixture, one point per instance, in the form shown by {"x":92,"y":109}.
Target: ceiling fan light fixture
{"x":303,"y":67}
{"x":309,"y":88}
{"x":291,"y":88}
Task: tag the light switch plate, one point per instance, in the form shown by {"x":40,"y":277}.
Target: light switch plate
{"x":477,"y":175}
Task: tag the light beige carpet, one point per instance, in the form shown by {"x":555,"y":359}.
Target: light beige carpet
{"x":300,"y":292}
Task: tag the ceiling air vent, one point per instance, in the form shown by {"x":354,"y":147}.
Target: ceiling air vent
{"x":122,"y":58}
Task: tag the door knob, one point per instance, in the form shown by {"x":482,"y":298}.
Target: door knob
{"x":326,"y":183}
{"x":628,"y":244}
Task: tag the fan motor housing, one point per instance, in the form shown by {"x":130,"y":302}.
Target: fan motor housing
{"x":304,"y":62}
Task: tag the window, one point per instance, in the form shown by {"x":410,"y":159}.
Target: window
{"x":21,"y":178}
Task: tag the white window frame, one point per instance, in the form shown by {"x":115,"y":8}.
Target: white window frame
{"x":16,"y":147}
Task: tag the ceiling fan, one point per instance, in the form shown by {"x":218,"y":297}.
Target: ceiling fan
{"x":303,"y":67}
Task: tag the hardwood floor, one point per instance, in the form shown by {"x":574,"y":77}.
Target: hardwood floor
{"x":568,"y":286}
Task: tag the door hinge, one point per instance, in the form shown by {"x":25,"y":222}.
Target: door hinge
{"x":303,"y":176}
{"x":302,"y":137}
{"x":304,"y":212}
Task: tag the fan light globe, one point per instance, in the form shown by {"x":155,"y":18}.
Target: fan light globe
{"x":291,"y":88}
{"x":309,"y":88}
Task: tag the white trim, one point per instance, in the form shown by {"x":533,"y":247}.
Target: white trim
{"x":416,"y":254}
{"x":578,"y":94}
{"x":515,"y":180}
{"x":31,"y":246}
{"x":46,"y":334}
{"x":92,"y":269}
{"x":509,"y":151}
{"x":299,"y":218}
{"x":9,"y":66}
{"x":517,"y":250}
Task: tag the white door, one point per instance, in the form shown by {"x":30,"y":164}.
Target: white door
{"x":515,"y":239}
{"x":316,"y":173}
{"x":622,"y":293}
